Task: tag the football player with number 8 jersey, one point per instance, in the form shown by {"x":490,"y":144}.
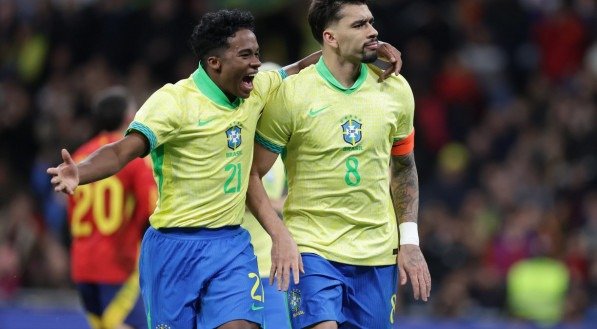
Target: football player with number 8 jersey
{"x":339,"y":131}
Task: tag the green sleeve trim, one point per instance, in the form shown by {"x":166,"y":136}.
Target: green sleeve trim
{"x":145,"y":131}
{"x":157,"y":156}
{"x":267,"y":144}
{"x":283,"y":73}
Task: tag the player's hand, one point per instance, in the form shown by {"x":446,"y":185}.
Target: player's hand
{"x":412,"y":264}
{"x":286,"y":259}
{"x":65,"y":177}
{"x":390,"y":54}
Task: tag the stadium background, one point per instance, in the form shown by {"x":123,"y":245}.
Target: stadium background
{"x":506,"y":96}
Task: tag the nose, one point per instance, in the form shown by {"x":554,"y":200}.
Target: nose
{"x":372,"y":32}
{"x":256,"y":63}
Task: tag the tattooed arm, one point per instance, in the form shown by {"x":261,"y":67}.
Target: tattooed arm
{"x":404,"y":187}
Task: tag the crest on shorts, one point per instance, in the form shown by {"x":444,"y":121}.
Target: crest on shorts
{"x":234,"y":137}
{"x":294,"y":302}
{"x":351,"y":131}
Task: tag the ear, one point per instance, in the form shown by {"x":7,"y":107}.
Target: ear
{"x":214,"y":63}
{"x":330,"y":39}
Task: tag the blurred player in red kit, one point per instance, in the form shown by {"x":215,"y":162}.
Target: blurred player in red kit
{"x":107,"y":220}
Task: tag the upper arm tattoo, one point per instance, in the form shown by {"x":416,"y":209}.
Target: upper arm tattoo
{"x":404,"y":188}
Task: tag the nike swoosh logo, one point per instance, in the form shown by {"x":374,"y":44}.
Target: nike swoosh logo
{"x":313,"y":113}
{"x":202,"y":123}
{"x":256,"y":308}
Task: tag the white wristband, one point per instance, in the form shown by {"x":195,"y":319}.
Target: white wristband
{"x":409,"y":233}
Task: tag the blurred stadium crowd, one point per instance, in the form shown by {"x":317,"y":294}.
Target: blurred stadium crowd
{"x":506,"y":97}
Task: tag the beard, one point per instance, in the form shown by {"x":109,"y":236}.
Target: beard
{"x":369,"y":57}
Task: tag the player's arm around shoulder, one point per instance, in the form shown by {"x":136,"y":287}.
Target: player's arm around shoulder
{"x":379,"y":69}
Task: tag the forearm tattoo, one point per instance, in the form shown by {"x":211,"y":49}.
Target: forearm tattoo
{"x":404,"y":188}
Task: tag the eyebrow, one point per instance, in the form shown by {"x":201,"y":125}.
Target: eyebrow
{"x":361,"y":21}
{"x":240,"y":51}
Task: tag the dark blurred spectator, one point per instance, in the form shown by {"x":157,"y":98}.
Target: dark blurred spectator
{"x":450,"y":180}
{"x":10,"y":270}
{"x":40,"y":260}
{"x":17,"y":140}
{"x":458,"y":88}
{"x":561,"y":37}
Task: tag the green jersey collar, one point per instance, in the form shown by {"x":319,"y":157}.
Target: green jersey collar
{"x":327,"y":75}
{"x":211,"y":90}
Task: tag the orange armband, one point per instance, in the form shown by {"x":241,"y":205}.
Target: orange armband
{"x":404,"y":146}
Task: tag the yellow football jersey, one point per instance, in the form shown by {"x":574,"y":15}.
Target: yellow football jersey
{"x":201,"y":145}
{"x":336,"y":144}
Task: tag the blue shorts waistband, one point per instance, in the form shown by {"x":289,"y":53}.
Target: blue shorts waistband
{"x":200,"y":232}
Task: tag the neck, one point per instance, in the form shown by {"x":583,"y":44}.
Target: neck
{"x":344,"y":71}
{"x":214,"y":76}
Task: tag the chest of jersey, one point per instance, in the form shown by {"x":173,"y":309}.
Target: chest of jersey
{"x":338,"y":122}
{"x":211,"y":132}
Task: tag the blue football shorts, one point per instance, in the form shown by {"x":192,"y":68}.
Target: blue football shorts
{"x":275,"y":313}
{"x":199,"y":278}
{"x":108,"y":305}
{"x":353,"y":296}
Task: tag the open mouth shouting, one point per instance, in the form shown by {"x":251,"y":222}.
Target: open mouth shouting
{"x":246,"y":84}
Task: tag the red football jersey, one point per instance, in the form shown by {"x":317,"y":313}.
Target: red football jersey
{"x":107,"y":219}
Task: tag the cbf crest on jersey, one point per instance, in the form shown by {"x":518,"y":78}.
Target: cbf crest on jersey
{"x":234,"y":137}
{"x":351,"y":131}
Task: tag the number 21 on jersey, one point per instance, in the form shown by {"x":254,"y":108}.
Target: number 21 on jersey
{"x":234,"y":180}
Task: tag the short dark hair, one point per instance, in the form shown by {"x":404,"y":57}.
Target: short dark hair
{"x":324,"y":12}
{"x":215,"y":28}
{"x":109,"y":109}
